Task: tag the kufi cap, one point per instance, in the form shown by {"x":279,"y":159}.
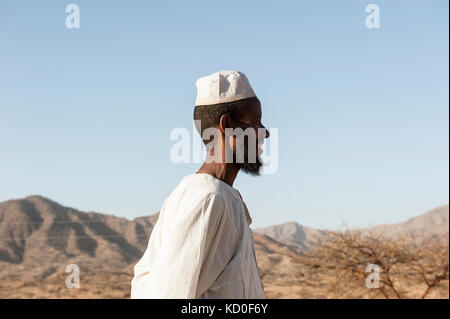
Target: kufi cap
{"x":223,"y":87}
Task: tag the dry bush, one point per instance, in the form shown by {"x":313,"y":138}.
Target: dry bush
{"x":408,"y":267}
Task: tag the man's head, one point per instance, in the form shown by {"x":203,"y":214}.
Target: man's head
{"x":228,"y":116}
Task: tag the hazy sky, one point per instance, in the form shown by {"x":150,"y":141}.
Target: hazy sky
{"x":362,"y":114}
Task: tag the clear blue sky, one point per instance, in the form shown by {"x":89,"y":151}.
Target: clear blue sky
{"x":362,"y":114}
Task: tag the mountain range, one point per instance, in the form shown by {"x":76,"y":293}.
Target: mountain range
{"x":39,"y":238}
{"x":432,"y":224}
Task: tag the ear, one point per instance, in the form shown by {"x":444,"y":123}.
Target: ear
{"x":225,"y":121}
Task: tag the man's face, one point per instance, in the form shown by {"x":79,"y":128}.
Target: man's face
{"x":251,"y":146}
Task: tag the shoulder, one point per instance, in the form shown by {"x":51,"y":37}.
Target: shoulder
{"x":207,"y":185}
{"x":203,"y":182}
{"x":195,"y":194}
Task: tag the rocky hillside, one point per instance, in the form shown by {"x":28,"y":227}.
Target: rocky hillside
{"x":291,"y":234}
{"x":39,"y":238}
{"x":432,"y":224}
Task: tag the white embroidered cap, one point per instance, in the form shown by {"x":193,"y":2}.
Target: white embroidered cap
{"x":223,"y":87}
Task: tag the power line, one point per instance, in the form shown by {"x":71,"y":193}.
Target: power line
{"x":66,"y":222}
{"x":365,"y":211}
{"x":342,"y":186}
{"x":301,"y":212}
{"x":65,"y":237}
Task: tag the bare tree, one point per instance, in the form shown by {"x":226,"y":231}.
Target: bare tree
{"x":406,"y":267}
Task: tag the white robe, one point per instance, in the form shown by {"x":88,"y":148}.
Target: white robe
{"x":200,"y":247}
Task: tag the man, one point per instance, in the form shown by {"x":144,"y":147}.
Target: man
{"x":201,"y":245}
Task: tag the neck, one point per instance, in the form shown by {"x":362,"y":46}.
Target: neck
{"x":226,"y":172}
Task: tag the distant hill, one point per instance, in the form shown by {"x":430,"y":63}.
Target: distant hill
{"x":39,"y":237}
{"x":434,"y":223}
{"x":291,"y":234}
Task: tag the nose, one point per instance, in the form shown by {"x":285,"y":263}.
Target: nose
{"x":261,"y":135}
{"x":267,"y":132}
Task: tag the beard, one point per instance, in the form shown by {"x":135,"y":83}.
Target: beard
{"x":251,"y":168}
